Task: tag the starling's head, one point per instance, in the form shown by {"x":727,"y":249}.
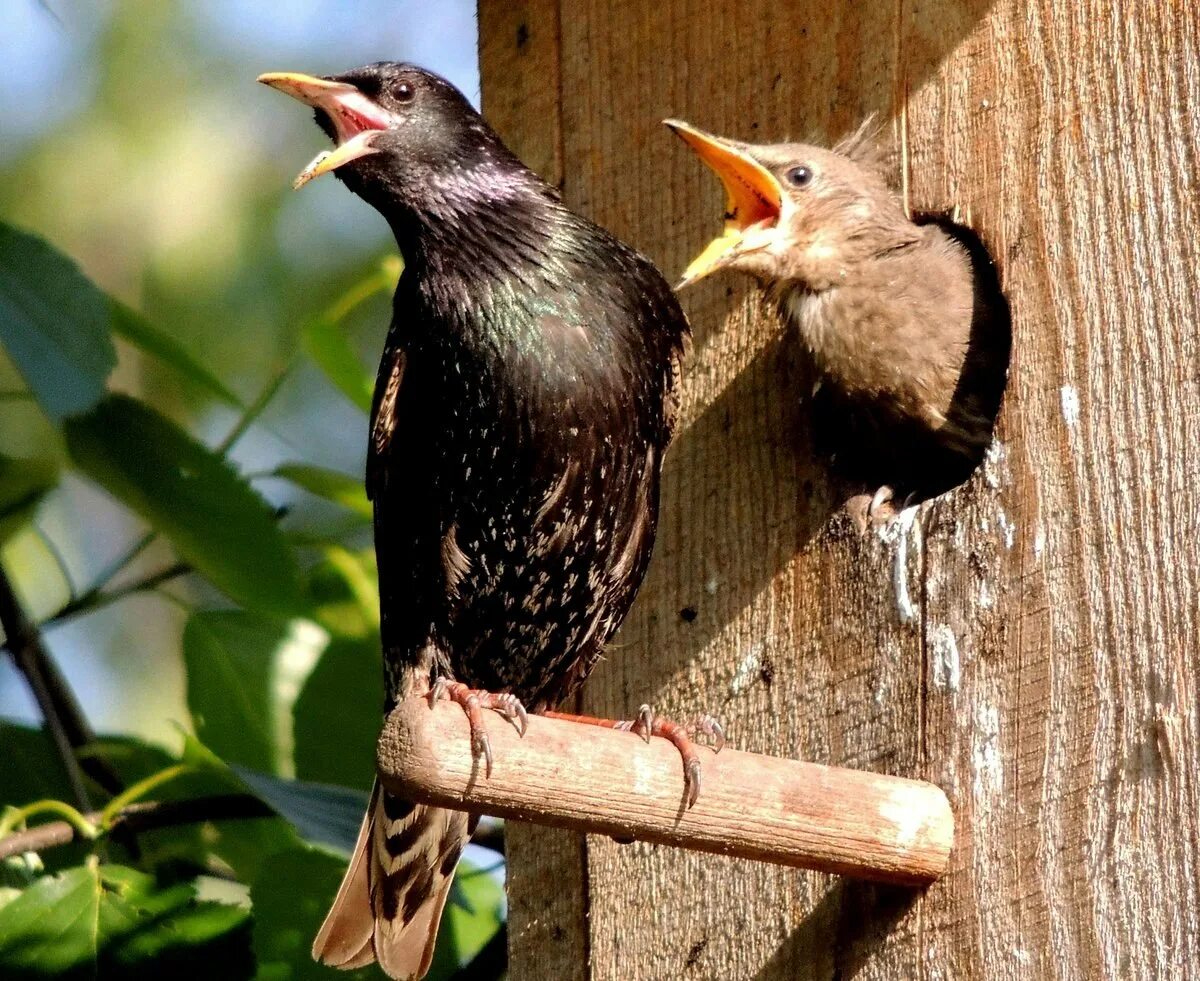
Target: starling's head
{"x":400,"y":132}
{"x":797,"y":213}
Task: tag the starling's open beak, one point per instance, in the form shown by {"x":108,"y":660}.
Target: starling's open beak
{"x":356,"y":120}
{"x":753,"y":197}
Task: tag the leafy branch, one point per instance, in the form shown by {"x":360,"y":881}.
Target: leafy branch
{"x":132,"y":818}
{"x":64,"y":717}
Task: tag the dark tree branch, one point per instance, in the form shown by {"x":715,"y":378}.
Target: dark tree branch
{"x":65,"y":720}
{"x":142,"y":816}
{"x":95,"y":599}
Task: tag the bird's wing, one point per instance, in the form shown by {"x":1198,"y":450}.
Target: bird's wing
{"x":383,"y":415}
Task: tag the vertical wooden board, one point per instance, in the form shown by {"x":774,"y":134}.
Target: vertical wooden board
{"x":519,"y":52}
{"x":1066,"y":589}
{"x":757,"y":607}
{"x":1028,"y":641}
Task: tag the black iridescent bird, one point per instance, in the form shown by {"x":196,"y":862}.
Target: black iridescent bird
{"x":523,"y":404}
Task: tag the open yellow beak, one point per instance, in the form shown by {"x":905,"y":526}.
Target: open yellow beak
{"x":356,"y":119}
{"x":753,"y":197}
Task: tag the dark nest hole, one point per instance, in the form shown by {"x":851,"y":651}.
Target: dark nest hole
{"x":869,"y":450}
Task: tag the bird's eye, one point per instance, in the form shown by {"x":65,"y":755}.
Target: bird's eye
{"x":404,"y":92}
{"x":799,"y":176}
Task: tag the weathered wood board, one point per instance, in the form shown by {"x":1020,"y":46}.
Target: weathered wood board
{"x":1028,"y":641}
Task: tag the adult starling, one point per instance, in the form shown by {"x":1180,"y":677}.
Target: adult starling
{"x":904,"y":320}
{"x":524,"y":401}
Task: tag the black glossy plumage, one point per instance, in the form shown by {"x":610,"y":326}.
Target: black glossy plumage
{"x":522,"y":409}
{"x":524,"y":401}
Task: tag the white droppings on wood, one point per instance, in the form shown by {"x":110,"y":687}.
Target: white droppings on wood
{"x":748,"y":669}
{"x":995,"y":465}
{"x":1007,"y":528}
{"x":987,"y":599}
{"x":896,"y":533}
{"x":1070,"y":405}
{"x":711,"y":585}
{"x":1039,"y":541}
{"x":987,"y":769}
{"x":947,"y":670}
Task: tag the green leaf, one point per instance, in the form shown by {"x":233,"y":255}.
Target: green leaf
{"x":54,"y":324}
{"x":228,"y":658}
{"x":291,"y":896}
{"x":322,"y":814}
{"x":23,"y":484}
{"x":337,"y":716}
{"x":342,"y":591}
{"x":215,"y":520}
{"x":326,"y":343}
{"x":243,"y":672}
{"x":32,"y":770}
{"x":138,"y":331}
{"x":112,"y":921}
{"x":332,"y":485}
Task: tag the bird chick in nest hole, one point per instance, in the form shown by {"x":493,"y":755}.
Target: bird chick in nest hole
{"x":904,"y":319}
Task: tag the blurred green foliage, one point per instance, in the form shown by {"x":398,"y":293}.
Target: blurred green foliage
{"x":281,"y":658}
{"x":186,"y":359}
{"x":280,"y":652}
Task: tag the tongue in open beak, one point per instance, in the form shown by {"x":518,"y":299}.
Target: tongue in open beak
{"x":356,"y":119}
{"x":753,"y":197}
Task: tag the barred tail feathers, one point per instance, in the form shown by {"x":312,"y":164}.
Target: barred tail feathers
{"x":390,"y":902}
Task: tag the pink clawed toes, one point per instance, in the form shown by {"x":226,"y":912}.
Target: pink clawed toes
{"x":473,"y":702}
{"x":647,"y":724}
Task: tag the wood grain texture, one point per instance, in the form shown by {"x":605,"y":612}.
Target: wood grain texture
{"x":589,"y":778}
{"x":1028,"y":642}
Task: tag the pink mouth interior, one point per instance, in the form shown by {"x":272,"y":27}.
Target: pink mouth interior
{"x":354,"y":113}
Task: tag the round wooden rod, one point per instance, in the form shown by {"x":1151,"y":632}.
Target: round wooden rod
{"x":592,"y":779}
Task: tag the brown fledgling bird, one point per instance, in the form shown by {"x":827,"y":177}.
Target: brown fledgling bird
{"x":904,"y":319}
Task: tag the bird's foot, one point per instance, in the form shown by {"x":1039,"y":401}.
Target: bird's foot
{"x":473,"y":702}
{"x":877,"y":511}
{"x":647,"y":724}
{"x":882,"y":498}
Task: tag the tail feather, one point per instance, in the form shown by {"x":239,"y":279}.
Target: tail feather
{"x":390,"y":902}
{"x":345,"y":938}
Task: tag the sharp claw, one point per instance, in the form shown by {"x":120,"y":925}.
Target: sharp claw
{"x":510,"y":707}
{"x":644,"y":723}
{"x":691,"y":782}
{"x":718,"y":734}
{"x":483,"y":747}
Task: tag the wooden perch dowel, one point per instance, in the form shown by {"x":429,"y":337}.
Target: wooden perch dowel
{"x":866,"y":825}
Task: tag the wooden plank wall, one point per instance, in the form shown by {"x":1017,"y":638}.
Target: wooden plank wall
{"x":1029,"y":641}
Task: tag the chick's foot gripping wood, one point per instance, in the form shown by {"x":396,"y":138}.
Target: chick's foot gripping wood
{"x":473,"y":702}
{"x":648,"y":724}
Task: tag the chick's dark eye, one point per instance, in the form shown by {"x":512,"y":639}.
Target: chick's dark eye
{"x":404,"y":92}
{"x":799,"y":176}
